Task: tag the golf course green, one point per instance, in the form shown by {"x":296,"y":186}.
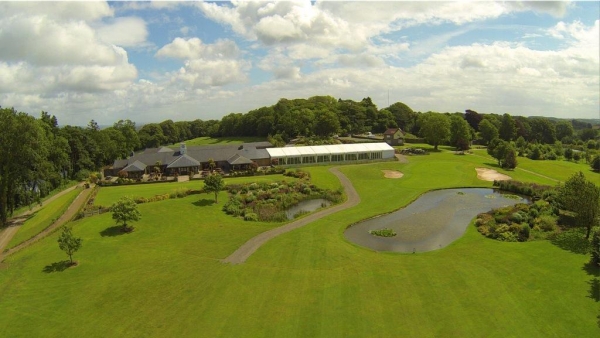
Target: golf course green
{"x":166,"y":278}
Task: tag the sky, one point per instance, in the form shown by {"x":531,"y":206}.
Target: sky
{"x":153,"y":61}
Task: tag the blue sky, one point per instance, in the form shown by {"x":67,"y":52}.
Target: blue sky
{"x":152,"y":61}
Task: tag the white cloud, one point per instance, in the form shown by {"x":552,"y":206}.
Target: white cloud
{"x":55,"y":52}
{"x":67,"y":10}
{"x":114,"y":33}
{"x":555,"y":8}
{"x":215,"y":64}
{"x":194,"y":48}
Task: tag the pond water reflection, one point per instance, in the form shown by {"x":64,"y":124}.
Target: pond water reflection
{"x":433,"y":221}
{"x":306,"y":206}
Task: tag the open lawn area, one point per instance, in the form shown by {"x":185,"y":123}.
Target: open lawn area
{"x":166,"y":279}
{"x":205,"y":140}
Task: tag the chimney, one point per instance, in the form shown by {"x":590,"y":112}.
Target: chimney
{"x":182,"y":149}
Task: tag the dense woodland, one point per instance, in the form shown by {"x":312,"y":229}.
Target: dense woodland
{"x":38,"y":155}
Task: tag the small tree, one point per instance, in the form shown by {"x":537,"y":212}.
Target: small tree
{"x":68,"y":243}
{"x":211,"y":164}
{"x":214,"y":183}
{"x":583,"y":198}
{"x":93,"y":178}
{"x":510,"y":159}
{"x":125,"y":210}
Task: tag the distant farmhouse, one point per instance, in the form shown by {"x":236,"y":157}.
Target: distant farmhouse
{"x":394,"y":136}
{"x":227,"y":158}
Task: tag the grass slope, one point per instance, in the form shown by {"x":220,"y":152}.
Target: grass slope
{"x":165,"y":279}
{"x":43,"y":218}
{"x":202,"y":141}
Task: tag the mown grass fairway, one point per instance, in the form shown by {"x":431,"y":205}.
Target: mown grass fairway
{"x":166,"y":280}
{"x":43,"y":218}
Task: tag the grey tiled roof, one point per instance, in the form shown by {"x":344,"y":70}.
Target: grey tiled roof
{"x":238,"y":159}
{"x":201,"y":154}
{"x":183,"y":162}
{"x":135,"y":166}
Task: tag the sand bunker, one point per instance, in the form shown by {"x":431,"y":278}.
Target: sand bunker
{"x":486,"y":174}
{"x":392,"y":174}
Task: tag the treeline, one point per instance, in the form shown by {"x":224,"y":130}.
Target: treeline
{"x":37,"y":155}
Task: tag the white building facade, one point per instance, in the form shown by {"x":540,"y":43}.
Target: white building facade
{"x":337,"y":153}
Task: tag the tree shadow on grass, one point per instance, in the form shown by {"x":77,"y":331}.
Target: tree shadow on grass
{"x":591,"y":269}
{"x":572,"y":240}
{"x":204,"y":202}
{"x":113,"y":231}
{"x":57,"y":267}
{"x":495,"y":165}
{"x":594,"y":292}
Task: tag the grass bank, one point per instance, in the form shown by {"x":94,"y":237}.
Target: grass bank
{"x":43,"y":218}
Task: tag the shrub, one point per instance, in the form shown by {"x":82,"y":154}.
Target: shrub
{"x":251,"y":217}
{"x":546,"y":223}
{"x":508,"y":237}
{"x":517,"y":217}
{"x":524,"y":232}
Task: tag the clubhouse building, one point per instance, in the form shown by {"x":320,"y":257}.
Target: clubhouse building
{"x":227,"y":158}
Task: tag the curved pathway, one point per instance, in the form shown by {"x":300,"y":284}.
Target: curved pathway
{"x":78,"y":202}
{"x":248,"y":248}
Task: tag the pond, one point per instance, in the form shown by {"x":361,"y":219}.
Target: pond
{"x":306,"y":206}
{"x":433,"y":221}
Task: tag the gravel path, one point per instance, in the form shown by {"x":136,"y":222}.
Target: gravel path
{"x":248,"y":248}
{"x":66,"y":217}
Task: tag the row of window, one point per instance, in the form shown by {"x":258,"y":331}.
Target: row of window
{"x":330,"y":158}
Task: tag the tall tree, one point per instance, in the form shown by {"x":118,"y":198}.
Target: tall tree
{"x":405,"y":117}
{"x":473,"y":118}
{"x":488,"y":131}
{"x":130,"y":135}
{"x":460,"y":134}
{"x":151,"y":136}
{"x":23,"y":153}
{"x":508,"y":128}
{"x":564,"y":129}
{"x":583,"y":198}
{"x":435,"y":128}
{"x":326,"y":123}
{"x":542,"y":130}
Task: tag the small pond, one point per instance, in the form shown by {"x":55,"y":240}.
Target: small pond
{"x":433,"y":221}
{"x":306,"y":206}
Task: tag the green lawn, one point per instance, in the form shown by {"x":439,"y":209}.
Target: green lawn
{"x":43,"y":218}
{"x":108,"y":195}
{"x":202,"y":141}
{"x":165,"y":279}
{"x":67,"y":185}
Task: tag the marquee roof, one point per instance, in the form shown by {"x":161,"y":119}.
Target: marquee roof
{"x":329,"y":149}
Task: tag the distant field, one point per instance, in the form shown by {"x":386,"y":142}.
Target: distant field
{"x":202,"y":141}
{"x":166,"y":279}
